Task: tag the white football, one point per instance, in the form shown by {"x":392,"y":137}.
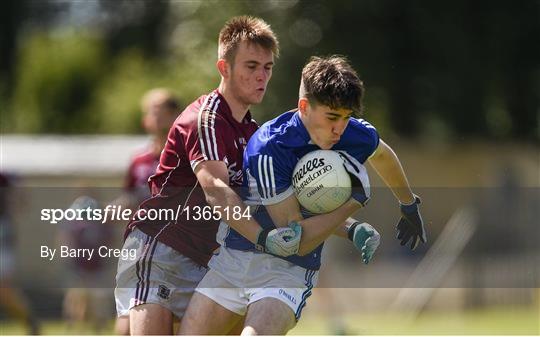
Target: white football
{"x":321,"y":182}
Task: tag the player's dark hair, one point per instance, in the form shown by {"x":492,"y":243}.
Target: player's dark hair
{"x":172,"y":104}
{"x":245,"y":28}
{"x":332,"y":81}
{"x":165,"y":97}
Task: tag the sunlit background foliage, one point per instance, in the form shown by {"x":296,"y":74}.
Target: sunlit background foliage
{"x":446,"y":70}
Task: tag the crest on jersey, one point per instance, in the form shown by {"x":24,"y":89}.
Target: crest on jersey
{"x":235,"y":176}
{"x":164,"y":292}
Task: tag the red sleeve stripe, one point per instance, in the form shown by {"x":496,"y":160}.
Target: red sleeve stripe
{"x":206,"y":127}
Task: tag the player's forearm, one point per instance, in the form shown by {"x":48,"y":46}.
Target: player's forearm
{"x":214,"y":179}
{"x":318,"y":228}
{"x":343,"y":230}
{"x":248,"y":228}
{"x":225,"y":197}
{"x":388,"y":167}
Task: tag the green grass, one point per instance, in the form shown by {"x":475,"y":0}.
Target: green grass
{"x":56,"y":327}
{"x":523,"y":321}
{"x":493,"y":321}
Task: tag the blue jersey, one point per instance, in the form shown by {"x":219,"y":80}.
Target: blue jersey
{"x":269,"y":161}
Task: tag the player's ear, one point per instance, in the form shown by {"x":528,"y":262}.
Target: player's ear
{"x":223,"y":68}
{"x":302,"y":105}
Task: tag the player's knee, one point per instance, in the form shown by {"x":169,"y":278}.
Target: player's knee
{"x":274,"y":327}
{"x":269,"y":316}
{"x":150,"y":319}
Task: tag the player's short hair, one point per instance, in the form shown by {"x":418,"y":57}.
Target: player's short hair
{"x":160,"y":96}
{"x":332,"y":81}
{"x":249,"y":29}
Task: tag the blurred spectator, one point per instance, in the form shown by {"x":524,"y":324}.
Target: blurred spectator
{"x":85,"y":301}
{"x":160,"y":108}
{"x":11,"y":298}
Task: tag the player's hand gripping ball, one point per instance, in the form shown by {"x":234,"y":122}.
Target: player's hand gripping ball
{"x":321,"y":182}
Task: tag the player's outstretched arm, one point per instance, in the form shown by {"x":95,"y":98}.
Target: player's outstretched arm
{"x":214,"y":179}
{"x":388,"y":167}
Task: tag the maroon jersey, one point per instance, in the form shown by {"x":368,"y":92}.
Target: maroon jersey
{"x":142,"y":166}
{"x":205,"y":130}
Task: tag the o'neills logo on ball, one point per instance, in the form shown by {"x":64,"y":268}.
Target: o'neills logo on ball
{"x":311,"y":165}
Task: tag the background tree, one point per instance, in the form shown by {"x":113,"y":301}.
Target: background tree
{"x":443,"y":70}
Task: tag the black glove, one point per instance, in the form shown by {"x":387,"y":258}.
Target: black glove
{"x":411,"y":226}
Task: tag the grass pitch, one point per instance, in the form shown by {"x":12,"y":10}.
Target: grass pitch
{"x":492,"y":321}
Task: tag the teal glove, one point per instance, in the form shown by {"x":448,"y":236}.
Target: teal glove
{"x":365,"y":238}
{"x":295,"y":226}
{"x":283,"y":241}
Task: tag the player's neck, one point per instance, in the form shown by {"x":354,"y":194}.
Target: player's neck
{"x":238,"y":108}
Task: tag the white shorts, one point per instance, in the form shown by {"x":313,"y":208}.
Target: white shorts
{"x":237,"y":278}
{"x":158,"y":274}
